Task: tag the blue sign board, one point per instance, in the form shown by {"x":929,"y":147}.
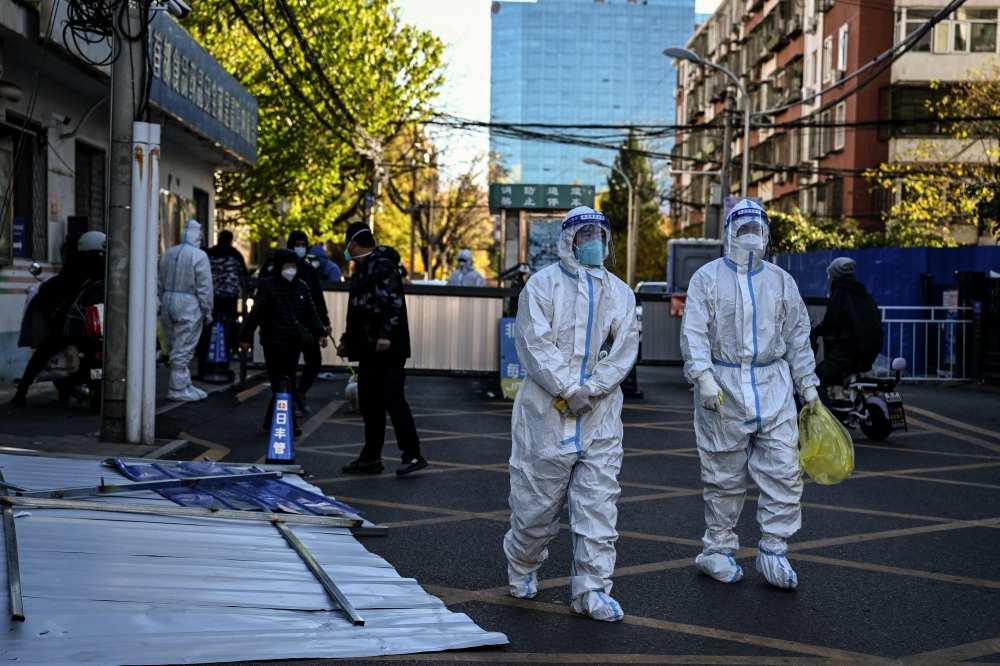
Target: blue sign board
{"x":190,"y":85}
{"x":280,"y":447}
{"x":19,"y":230}
{"x":511,"y":370}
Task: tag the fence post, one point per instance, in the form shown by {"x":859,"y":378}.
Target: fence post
{"x":976,"y":353}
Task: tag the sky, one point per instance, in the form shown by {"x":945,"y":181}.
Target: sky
{"x":464,"y":27}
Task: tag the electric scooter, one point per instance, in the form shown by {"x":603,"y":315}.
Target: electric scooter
{"x":872,"y":404}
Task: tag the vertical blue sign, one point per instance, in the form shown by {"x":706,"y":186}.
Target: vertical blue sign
{"x":511,"y":371}
{"x":19,"y":229}
{"x":280,"y":449}
{"x":217,"y":352}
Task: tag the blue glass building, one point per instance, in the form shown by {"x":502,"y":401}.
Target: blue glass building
{"x":581,"y":62}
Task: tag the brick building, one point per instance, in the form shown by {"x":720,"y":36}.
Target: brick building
{"x":786,"y":51}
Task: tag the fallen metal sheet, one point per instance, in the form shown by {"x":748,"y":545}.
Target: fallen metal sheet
{"x":109,"y":489}
{"x":112,"y":588}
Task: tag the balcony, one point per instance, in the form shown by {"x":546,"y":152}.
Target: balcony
{"x":823,"y":6}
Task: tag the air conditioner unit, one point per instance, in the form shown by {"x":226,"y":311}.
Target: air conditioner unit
{"x":813,"y":23}
{"x":837,"y":75}
{"x":780,"y":177}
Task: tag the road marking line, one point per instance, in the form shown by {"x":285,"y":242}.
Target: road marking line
{"x":215,"y":451}
{"x":492,"y":656}
{"x":957,"y":653}
{"x":956,"y":435}
{"x":317,"y":419}
{"x":927,"y":451}
{"x":890,"y":534}
{"x":677,"y":627}
{"x":914,"y":573}
{"x":245,"y":395}
{"x":924,"y":470}
{"x":949,"y":481}
{"x":953,"y":422}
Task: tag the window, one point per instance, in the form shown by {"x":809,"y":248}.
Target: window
{"x":813,"y":71}
{"x":906,"y":109}
{"x":29,"y":223}
{"x":824,"y":133}
{"x":910,"y":20}
{"x":842,"y":48}
{"x":89,"y":186}
{"x":966,"y":31}
{"x":839,"y":118}
{"x":827,"y":58}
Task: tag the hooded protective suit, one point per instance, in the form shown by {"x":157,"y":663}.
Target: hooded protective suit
{"x":465,"y":275}
{"x":746,"y":328}
{"x":185,"y":291}
{"x":566,"y":313}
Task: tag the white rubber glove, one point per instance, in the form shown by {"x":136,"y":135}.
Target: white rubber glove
{"x":710,"y":392}
{"x":811,"y":396}
{"x":579,"y":402}
{"x":208,"y":319}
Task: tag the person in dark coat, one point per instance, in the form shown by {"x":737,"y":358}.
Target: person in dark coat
{"x":851,"y":330}
{"x":44,"y":320}
{"x":328,"y":271}
{"x":289,"y":323}
{"x":298,"y":242}
{"x":378,"y":338}
{"x":228,"y":268}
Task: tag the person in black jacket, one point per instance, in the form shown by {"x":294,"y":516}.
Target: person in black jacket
{"x":378,"y":337}
{"x":298,"y":242}
{"x":851,"y":330}
{"x":228,"y":268}
{"x":289,"y":323}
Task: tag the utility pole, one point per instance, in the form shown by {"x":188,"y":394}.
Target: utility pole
{"x":727,"y":156}
{"x":431,"y":244}
{"x":414,"y":214}
{"x":127,"y":87}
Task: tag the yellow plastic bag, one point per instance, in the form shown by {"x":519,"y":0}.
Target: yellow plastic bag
{"x":826,"y":449}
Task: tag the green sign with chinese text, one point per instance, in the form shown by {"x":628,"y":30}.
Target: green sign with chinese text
{"x":540,"y":197}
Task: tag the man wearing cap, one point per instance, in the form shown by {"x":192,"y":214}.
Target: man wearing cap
{"x":378,"y":337}
{"x":851,"y":330}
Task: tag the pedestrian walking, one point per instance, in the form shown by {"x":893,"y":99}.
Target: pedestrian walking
{"x":577,"y":338}
{"x":378,"y":338}
{"x":745,"y":342}
{"x":289,"y":323}
{"x":228,"y":269}
{"x":298,"y":242}
{"x":186,"y":303}
{"x":326,"y":269}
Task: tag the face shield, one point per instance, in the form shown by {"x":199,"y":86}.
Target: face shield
{"x":586,"y":236}
{"x":746,"y":232}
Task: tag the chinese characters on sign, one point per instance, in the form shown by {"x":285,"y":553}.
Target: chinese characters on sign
{"x":541,"y":197}
{"x":191,"y":85}
{"x":511,"y":370}
{"x":280,"y":447}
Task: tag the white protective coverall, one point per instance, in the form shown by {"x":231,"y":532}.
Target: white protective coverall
{"x":745,"y":323}
{"x":185,"y":291}
{"x":465,"y":275}
{"x":565,"y":313}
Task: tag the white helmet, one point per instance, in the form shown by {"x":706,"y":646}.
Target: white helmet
{"x":746,"y":233}
{"x":92,"y":241}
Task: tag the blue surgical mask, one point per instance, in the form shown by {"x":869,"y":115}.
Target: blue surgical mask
{"x":347,"y":255}
{"x":590,"y":253}
{"x":300,"y":251}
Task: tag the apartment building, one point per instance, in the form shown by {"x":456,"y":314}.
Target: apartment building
{"x":816,"y":147}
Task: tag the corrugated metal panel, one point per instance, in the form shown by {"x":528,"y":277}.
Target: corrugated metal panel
{"x":661,"y":332}
{"x":112,"y":588}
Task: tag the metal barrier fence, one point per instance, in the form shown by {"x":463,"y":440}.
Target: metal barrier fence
{"x":933,"y":340}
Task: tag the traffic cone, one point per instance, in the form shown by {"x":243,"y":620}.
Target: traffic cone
{"x":281,"y":445}
{"x":217,"y":356}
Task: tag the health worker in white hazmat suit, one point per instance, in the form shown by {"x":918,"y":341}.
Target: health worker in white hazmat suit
{"x":465,"y":275}
{"x":185,"y":291}
{"x":577,"y":339}
{"x":745,"y":341}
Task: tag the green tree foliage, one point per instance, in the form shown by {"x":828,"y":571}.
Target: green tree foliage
{"x":335,"y":81}
{"x":651,"y":264}
{"x":796,"y":232}
{"x":941,"y":183}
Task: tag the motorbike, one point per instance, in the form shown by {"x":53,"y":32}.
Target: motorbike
{"x":77,"y":370}
{"x":872,"y":404}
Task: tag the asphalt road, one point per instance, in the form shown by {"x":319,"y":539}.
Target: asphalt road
{"x":898,"y":562}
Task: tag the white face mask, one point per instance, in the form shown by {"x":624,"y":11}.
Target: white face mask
{"x":749,"y":242}
{"x":301,"y":251}
{"x":315,"y":264}
{"x":289,"y":273}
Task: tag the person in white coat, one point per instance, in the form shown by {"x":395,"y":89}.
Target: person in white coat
{"x":466,"y":275}
{"x":745,"y":342}
{"x":577,"y":339}
{"x":185,"y":292}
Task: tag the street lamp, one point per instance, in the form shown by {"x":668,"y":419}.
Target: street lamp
{"x":684,"y":54}
{"x":630,"y":240}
